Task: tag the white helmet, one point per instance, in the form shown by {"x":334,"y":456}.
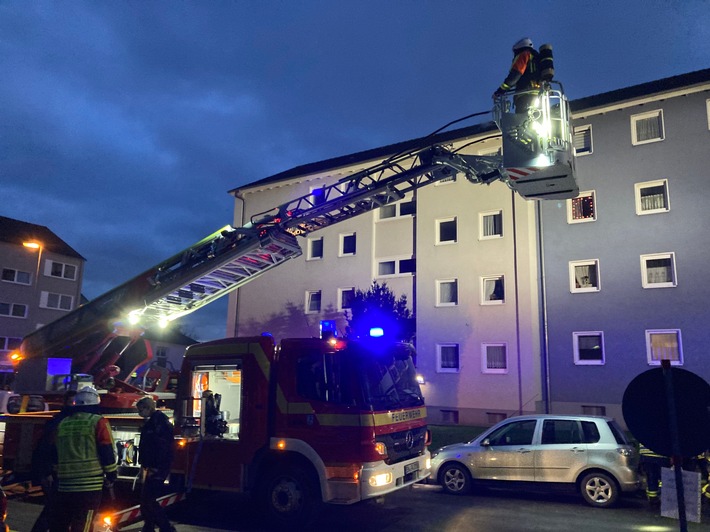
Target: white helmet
{"x":87,"y":396}
{"x":525,"y":42}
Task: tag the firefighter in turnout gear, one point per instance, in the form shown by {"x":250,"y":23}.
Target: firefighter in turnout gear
{"x":85,"y":462}
{"x":651,"y":464}
{"x":524,"y":75}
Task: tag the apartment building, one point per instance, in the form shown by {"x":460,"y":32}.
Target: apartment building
{"x":41,"y":281}
{"x":624,"y":263}
{"x":515,"y":299}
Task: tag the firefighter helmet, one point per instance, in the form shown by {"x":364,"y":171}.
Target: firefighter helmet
{"x":87,"y":396}
{"x":525,"y":42}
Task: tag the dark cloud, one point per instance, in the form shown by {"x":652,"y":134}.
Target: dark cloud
{"x":124,"y":124}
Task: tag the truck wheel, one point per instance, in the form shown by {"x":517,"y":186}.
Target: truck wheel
{"x":291,"y":497}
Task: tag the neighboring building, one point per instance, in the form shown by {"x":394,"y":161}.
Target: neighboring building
{"x":625,"y":262}
{"x":168,"y":346}
{"x":497,"y":319}
{"x":38,"y":284}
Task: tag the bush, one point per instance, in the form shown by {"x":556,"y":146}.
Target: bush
{"x":447,"y":434}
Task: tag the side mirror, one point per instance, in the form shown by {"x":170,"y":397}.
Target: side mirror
{"x":486,"y":443}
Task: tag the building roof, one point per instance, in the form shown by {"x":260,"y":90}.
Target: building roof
{"x":16,"y":232}
{"x":581,"y":104}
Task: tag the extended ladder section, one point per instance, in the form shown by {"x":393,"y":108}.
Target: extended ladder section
{"x":536,"y":162}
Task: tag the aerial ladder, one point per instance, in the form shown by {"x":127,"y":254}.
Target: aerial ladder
{"x":537,"y":162}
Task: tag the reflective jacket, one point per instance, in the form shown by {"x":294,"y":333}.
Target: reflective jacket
{"x":524,"y":72}
{"x":85,"y":452}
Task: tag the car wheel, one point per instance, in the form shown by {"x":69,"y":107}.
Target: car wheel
{"x":599,"y":490}
{"x":455,"y":479}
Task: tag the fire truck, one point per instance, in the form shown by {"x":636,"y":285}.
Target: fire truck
{"x":300,"y":422}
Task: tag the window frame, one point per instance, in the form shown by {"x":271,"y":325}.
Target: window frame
{"x":638,"y":187}
{"x":397,"y":262}
{"x":649,"y":351}
{"x":656,"y":113}
{"x":707,"y":106}
{"x":487,"y":278}
{"x":439,"y":367}
{"x":307,"y":307}
{"x":15,"y":276}
{"x":573,"y":278}
{"x":482,"y":224}
{"x":570,"y":208}
{"x":309,"y":247}
{"x":580,"y":129}
{"x":11,"y":307}
{"x":46,"y":295}
{"x":576,"y":335}
{"x":484,"y":358}
{"x":49,"y":265}
{"x":438,"y":222}
{"x":397,"y":206}
{"x":439,"y":283}
{"x":656,"y":256}
{"x":341,"y":293}
{"x":7,"y":343}
{"x":341,"y":244}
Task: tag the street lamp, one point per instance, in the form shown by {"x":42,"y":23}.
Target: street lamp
{"x":33,"y":244}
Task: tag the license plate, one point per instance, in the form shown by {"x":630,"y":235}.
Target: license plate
{"x":411,"y":468}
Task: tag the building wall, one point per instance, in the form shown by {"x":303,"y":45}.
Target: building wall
{"x":37,"y":268}
{"x":622,"y":309}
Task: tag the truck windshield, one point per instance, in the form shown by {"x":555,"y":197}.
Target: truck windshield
{"x":389,"y":378}
{"x":377,"y":379}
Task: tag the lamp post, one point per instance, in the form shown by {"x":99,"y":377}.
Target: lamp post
{"x":33,"y":244}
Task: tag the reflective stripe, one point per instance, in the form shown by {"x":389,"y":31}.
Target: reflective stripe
{"x":79,"y":468}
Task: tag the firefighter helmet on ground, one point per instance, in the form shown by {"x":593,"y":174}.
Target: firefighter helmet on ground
{"x":87,"y":396}
{"x":525,"y":42}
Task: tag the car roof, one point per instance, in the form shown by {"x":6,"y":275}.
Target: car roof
{"x":557,"y":416}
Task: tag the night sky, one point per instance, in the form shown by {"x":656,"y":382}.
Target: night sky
{"x":123,"y":124}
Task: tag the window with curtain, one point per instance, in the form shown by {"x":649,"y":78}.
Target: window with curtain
{"x":584,"y":276}
{"x":664,"y":345}
{"x":448,"y":358}
{"x":495,"y":358}
{"x":493,"y":290}
{"x":652,"y":197}
{"x":658,"y":270}
{"x":647,"y":127}
{"x":491,"y":224}
{"x":447,"y":292}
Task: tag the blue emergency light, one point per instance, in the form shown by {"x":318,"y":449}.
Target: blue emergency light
{"x":376,"y":332}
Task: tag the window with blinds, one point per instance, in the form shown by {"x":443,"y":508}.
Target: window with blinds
{"x":662,"y":345}
{"x":647,"y":127}
{"x":652,"y":197}
{"x":582,"y":140}
{"x":495,"y":358}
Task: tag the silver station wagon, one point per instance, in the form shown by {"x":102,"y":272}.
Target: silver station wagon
{"x":589,"y":454}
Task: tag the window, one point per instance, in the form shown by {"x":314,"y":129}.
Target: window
{"x":707,"y":104}
{"x":492,"y":290}
{"x":652,"y":197}
{"x":647,"y":127}
{"x":561,"y":431}
{"x":664,"y":345}
{"x":447,"y":293}
{"x":312,"y":301}
{"x":494,"y":358}
{"x":61,"y":270}
{"x":447,"y":358}
{"x":588,"y":348}
{"x":491,"y":224}
{"x":582,"y":208}
{"x":161,"y":356}
{"x":514,"y":433}
{"x":593,"y":410}
{"x":393,"y":210}
{"x":9,"y":343}
{"x":315,"y":248}
{"x":16,"y":276}
{"x":582,"y":140}
{"x":56,"y":301}
{"x":345,"y":298}
{"x":390,"y":267}
{"x":13,"y":310}
{"x":658,"y":271}
{"x":348,"y":244}
{"x":584,"y":276}
{"x":446,"y":231}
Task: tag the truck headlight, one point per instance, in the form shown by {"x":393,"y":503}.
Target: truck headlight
{"x":381,"y":480}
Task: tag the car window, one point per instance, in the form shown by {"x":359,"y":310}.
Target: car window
{"x":591,"y":432}
{"x":561,"y":431}
{"x":515,"y":433}
{"x":618,"y":433}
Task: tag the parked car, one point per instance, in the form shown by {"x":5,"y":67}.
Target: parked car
{"x":589,"y":454}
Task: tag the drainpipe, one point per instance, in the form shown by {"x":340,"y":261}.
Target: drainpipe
{"x":238,"y":195}
{"x":544,"y":345}
{"x":517,"y":305}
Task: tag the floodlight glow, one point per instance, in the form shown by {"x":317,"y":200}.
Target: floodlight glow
{"x":134,"y":317}
{"x":377,"y":332}
{"x":163,"y":322}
